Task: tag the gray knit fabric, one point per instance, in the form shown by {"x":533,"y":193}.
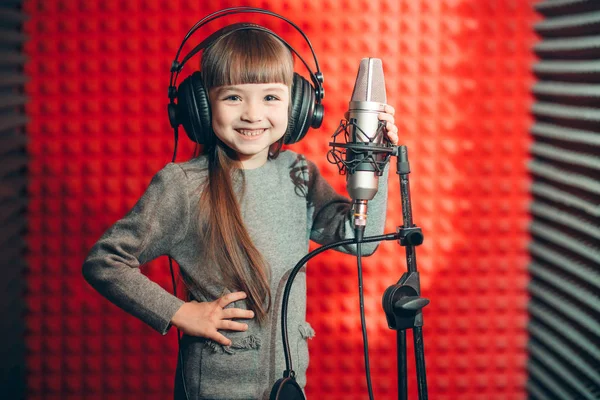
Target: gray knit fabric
{"x":286,"y":203}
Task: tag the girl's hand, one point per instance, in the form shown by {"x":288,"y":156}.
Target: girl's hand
{"x":391,"y":130}
{"x":204,"y":319}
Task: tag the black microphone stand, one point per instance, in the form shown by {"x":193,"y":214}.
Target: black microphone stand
{"x":402,"y":302}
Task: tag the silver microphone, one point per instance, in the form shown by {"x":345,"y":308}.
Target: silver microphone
{"x":368,"y":100}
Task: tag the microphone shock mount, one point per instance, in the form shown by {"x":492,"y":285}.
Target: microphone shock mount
{"x":352,"y":154}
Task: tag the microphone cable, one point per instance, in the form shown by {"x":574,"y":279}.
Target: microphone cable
{"x":358,"y":234}
{"x":289,"y":371}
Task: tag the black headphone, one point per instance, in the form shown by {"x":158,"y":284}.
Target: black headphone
{"x":192,"y":109}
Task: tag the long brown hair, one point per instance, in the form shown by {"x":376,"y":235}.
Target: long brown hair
{"x":247,"y":56}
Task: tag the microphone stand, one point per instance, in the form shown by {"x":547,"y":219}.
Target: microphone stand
{"x":402,"y":302}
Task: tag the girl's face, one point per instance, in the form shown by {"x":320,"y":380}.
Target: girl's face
{"x":249,"y":118}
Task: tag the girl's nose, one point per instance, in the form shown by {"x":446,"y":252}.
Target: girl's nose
{"x":252,"y":112}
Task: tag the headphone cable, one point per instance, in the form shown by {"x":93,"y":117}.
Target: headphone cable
{"x":178,"y":331}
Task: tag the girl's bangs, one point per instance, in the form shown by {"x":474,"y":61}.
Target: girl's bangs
{"x":245,"y":69}
{"x":248,"y":57}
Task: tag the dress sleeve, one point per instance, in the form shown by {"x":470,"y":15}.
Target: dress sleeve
{"x":153,"y":227}
{"x":332,"y":213}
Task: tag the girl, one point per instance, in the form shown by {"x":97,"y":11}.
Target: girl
{"x":236,"y":219}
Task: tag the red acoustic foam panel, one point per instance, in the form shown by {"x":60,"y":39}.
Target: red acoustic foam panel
{"x":458,"y":74}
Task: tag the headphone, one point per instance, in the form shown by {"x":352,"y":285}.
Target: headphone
{"x":189,"y":104}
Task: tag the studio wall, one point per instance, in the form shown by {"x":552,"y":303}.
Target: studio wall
{"x":458,"y":73}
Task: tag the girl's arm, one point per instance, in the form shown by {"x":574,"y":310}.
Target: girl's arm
{"x":155,"y":225}
{"x":332,"y":213}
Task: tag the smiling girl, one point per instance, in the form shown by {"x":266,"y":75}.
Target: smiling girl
{"x":236,"y":219}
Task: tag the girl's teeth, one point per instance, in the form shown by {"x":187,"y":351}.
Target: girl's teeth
{"x":254,"y":132}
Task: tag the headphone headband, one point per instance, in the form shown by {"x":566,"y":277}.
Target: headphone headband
{"x":228,"y":30}
{"x":176,"y":66}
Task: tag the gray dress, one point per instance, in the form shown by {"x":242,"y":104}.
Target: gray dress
{"x":286,"y":203}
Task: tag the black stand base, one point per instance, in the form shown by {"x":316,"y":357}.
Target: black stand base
{"x":403,"y":309}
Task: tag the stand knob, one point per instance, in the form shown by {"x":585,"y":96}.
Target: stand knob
{"x":411,"y":303}
{"x":402,"y":303}
{"x":410,"y":236}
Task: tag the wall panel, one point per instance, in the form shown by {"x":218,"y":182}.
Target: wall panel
{"x":564,"y":327}
{"x":13,"y":198}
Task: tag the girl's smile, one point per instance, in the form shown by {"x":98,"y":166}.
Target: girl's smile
{"x":251,"y":133}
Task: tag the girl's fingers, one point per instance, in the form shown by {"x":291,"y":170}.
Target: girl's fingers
{"x":393,"y":137}
{"x":219,"y":338}
{"x":385,"y":117}
{"x":389,"y":122}
{"x":391,"y":130}
{"x":230,"y":298}
{"x":230,"y":313}
{"x":232,"y":325}
{"x":390,"y":126}
{"x":389,"y":109}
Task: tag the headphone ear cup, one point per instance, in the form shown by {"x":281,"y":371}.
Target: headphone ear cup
{"x":194,"y":109}
{"x":301,"y":111}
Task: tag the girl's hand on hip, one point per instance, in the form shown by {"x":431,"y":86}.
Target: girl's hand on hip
{"x":391,"y":130}
{"x":206,"y":318}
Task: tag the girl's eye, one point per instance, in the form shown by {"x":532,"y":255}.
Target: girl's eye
{"x":233,"y":97}
{"x":270,"y":97}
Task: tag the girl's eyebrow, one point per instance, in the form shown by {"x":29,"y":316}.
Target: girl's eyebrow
{"x":222,"y":89}
{"x":275,"y":88}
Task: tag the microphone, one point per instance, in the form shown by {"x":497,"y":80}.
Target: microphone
{"x":365,"y":149}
